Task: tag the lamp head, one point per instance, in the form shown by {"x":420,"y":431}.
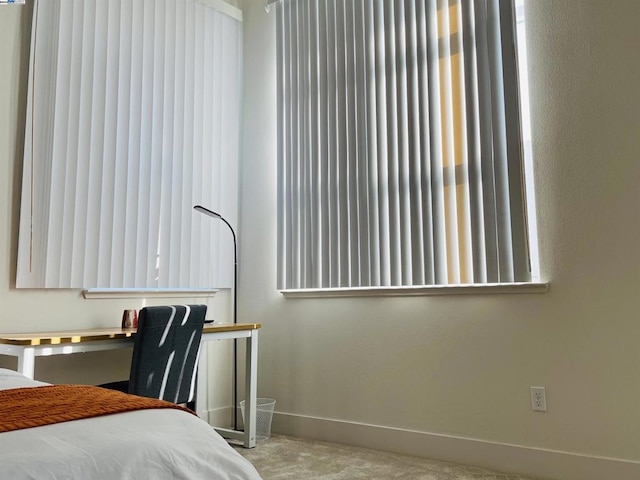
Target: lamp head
{"x":206,"y":211}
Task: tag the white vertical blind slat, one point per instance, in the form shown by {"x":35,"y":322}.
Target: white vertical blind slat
{"x":324,"y":267}
{"x":303,"y":128}
{"x":460,"y":147}
{"x":286,"y":140}
{"x":370,"y":132}
{"x":341,"y":212}
{"x":154,"y":46}
{"x":448,"y":134}
{"x":52,"y":242}
{"x":167,"y":233}
{"x":423,"y":142}
{"x":142,"y":91}
{"x":486,"y":143}
{"x":217,"y":125}
{"x":300,"y":166}
{"x":134,"y":147}
{"x":71,"y":164}
{"x":105,"y":215}
{"x":227,"y":64}
{"x":393,"y":145}
{"x":84,"y":141}
{"x":333,"y":252}
{"x":188,"y":127}
{"x":342,"y":157}
{"x":39,"y":142}
{"x":315,"y":155}
{"x":280,"y":130}
{"x":95,"y":148}
{"x":65,"y":215}
{"x":178,"y":166}
{"x":405,"y":227}
{"x":303,"y":140}
{"x":503,"y":213}
{"x":363,"y":266}
{"x":294,"y":153}
{"x":414,"y":154}
{"x":515,"y":168}
{"x":314,"y":273}
{"x":474,"y":170}
{"x":295,"y":147}
{"x":114,"y":221}
{"x":351,"y":181}
{"x":197,"y":174}
{"x":381,"y":146}
{"x":231,"y":48}
{"x":460,"y":169}
{"x":436,"y":189}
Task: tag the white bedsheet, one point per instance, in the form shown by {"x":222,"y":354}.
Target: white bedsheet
{"x":146,"y":444}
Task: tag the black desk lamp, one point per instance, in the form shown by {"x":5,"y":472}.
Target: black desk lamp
{"x":210,"y":213}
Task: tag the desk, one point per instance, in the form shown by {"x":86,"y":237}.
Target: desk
{"x":27,"y":346}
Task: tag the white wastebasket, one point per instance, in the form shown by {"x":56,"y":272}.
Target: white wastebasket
{"x":264,"y":415}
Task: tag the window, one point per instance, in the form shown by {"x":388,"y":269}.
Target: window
{"x":132,"y":119}
{"x":400,"y":150}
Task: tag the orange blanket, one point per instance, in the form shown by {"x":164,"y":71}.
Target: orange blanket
{"x":37,"y":406}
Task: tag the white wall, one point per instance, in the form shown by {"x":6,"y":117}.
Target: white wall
{"x":463,"y":365}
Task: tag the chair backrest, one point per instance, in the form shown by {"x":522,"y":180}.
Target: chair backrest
{"x":165,"y":352}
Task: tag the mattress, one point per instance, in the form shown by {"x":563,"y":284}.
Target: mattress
{"x":146,"y":444}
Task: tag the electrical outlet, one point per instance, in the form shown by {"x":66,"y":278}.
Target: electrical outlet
{"x":538,"y":399}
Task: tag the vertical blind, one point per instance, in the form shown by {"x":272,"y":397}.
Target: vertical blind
{"x":399,"y":144}
{"x":132,"y":118}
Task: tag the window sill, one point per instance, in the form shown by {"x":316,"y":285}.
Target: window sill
{"x":96,"y":293}
{"x":467,"y":289}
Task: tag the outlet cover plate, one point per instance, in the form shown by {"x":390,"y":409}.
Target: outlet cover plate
{"x":538,"y":399}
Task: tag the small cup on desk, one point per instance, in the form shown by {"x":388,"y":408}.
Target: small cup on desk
{"x":130,"y":319}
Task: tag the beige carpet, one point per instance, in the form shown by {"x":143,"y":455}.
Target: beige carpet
{"x":287,"y":458}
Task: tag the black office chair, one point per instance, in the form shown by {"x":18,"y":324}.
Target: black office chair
{"x":165,"y":353}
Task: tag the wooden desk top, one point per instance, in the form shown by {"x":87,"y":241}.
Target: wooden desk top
{"x":78,"y":336}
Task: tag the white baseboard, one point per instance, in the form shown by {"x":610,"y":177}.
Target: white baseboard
{"x":220,"y":417}
{"x":536,"y":462}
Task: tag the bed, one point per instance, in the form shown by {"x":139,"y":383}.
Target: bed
{"x":152,"y":443}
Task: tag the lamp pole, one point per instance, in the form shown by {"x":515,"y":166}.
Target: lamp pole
{"x":211,"y":213}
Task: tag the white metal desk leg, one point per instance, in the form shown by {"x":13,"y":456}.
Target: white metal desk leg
{"x":251,"y":387}
{"x":27,"y":362}
{"x":201,"y":390}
